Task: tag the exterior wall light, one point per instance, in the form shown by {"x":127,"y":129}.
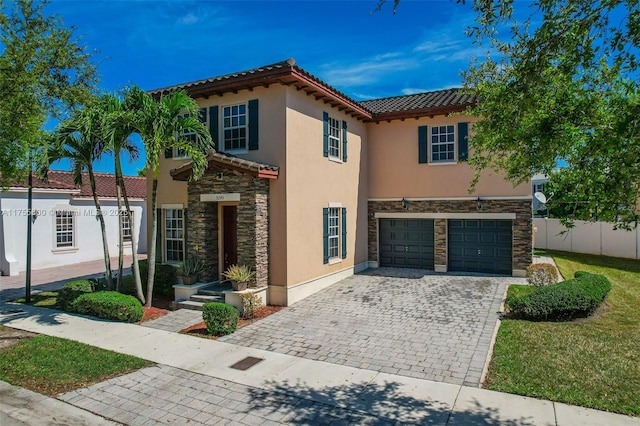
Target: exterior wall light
{"x":480,"y":203}
{"x":404,"y":204}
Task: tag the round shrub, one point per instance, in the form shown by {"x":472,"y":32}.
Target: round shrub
{"x":562,"y":301}
{"x":220,"y":318}
{"x":539,"y":274}
{"x":109,"y":305}
{"x":72,"y":290}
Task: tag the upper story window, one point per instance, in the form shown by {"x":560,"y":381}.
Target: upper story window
{"x":443,"y":144}
{"x":335,"y":138}
{"x":190,"y":137}
{"x":234,"y":128}
{"x":447,"y":144}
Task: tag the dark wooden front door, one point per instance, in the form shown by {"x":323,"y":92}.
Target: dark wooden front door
{"x":230,"y":235}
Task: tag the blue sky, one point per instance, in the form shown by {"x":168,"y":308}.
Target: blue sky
{"x":155,"y":44}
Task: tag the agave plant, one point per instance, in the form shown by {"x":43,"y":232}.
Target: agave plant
{"x":239,"y":275}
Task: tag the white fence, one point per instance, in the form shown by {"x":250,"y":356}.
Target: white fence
{"x":586,"y":237}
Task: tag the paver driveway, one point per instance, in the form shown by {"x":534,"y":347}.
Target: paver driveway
{"x":399,"y":321}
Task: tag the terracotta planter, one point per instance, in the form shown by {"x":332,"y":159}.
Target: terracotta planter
{"x":188,"y":280}
{"x":238,"y":285}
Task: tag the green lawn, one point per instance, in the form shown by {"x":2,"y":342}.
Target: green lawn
{"x":45,"y":299}
{"x":592,"y":362}
{"x":50,"y":365}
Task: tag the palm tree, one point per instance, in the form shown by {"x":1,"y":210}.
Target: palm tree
{"x":80,"y":141}
{"x":161,"y":123}
{"x":116,"y":133}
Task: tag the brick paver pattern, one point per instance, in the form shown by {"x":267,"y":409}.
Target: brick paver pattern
{"x":168,"y":395}
{"x":175,"y":321}
{"x":399,"y":321}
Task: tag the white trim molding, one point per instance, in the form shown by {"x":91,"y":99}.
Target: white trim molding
{"x":505,"y":216}
{"x":287,"y":296}
{"x":177,"y":206}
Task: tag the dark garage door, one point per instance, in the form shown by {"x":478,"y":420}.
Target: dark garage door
{"x":406,"y":243}
{"x":480,"y":246}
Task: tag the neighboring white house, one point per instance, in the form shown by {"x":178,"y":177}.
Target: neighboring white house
{"x":65,"y":226}
{"x":537,"y":185}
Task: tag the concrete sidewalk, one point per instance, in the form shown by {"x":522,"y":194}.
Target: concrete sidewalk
{"x":383,"y":397}
{"x":20,"y":406}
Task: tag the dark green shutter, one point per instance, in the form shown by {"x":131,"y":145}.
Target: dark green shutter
{"x":325,"y":234}
{"x":168,"y":153}
{"x":423,"y":151}
{"x":159,"y":235}
{"x":253,"y":124}
{"x":185,"y":233}
{"x":344,"y":233}
{"x":213,"y":126}
{"x":325,"y":138}
{"x":344,"y":141}
{"x":463,"y":141}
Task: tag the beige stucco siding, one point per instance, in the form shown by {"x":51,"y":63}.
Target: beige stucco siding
{"x":271,"y":110}
{"x":314,"y":181}
{"x":395,"y":171}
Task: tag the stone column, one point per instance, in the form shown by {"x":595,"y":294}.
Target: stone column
{"x":440,"y":245}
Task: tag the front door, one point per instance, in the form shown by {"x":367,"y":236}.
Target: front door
{"x":230,"y":235}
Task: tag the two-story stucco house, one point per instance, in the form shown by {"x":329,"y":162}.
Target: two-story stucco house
{"x":308,"y":186}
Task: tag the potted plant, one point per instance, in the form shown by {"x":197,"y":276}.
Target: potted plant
{"x":239,"y":275}
{"x":190,"y":269}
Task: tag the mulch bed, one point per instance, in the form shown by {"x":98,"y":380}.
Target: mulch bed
{"x":11,"y":336}
{"x":152,"y":313}
{"x":200,"y":329}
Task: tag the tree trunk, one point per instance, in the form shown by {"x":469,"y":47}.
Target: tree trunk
{"x":134,"y":238}
{"x":120,"y":236}
{"x":105,"y":243}
{"x":152,"y":250}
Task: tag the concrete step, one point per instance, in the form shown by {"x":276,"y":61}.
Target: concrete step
{"x":207,"y":292}
{"x":190,"y":304}
{"x":206,"y":298}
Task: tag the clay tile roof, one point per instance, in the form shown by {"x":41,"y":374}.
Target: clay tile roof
{"x":105,"y":184}
{"x":231,"y":162}
{"x":252,"y":72}
{"x":436,"y":100}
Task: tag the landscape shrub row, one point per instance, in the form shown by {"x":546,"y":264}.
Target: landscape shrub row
{"x":80,"y":296}
{"x":563,"y":301}
{"x":108,"y":305}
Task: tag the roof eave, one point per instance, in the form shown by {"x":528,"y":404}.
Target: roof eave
{"x":285,"y":76}
{"x":418,"y":113}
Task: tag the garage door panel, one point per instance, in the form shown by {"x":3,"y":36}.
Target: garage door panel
{"x":409,"y":244}
{"x":480,"y":245}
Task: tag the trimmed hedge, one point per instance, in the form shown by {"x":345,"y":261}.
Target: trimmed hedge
{"x":109,"y":305}
{"x":220,"y":318}
{"x":563,"y":301}
{"x":72,"y":290}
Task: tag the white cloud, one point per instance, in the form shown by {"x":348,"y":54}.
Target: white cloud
{"x":188,"y":19}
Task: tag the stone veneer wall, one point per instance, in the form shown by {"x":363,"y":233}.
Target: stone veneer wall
{"x":253,"y":221}
{"x":522,"y":225}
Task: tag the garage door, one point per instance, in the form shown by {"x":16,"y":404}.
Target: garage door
{"x":480,"y":246}
{"x":406,"y":243}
